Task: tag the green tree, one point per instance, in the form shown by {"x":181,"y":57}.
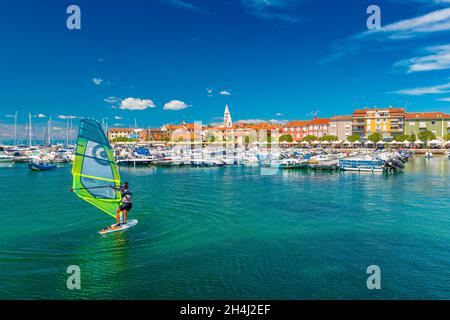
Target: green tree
{"x":211,"y":139}
{"x":427,"y":136}
{"x":353,"y":138}
{"x":310,"y":138}
{"x":123,"y":139}
{"x":447,"y":137}
{"x":402,"y":137}
{"x":375,"y":137}
{"x":286,"y":137}
{"x":412,"y":137}
{"x":329,"y":138}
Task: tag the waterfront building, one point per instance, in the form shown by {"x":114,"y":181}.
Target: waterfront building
{"x":114,"y":133}
{"x":296,"y":129}
{"x":388,"y":121}
{"x":436,"y":122}
{"x":153,"y":134}
{"x":341,"y":127}
{"x":184,"y":131}
{"x":317,"y":127}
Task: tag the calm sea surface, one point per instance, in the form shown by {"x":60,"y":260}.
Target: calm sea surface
{"x":231,"y":233}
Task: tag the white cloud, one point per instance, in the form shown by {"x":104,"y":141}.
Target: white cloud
{"x":136,"y":104}
{"x":439,"y":89}
{"x":251,"y":121}
{"x":100,"y":60}
{"x":225,"y":93}
{"x":435,"y":21}
{"x":279,"y":114}
{"x":276,"y":121}
{"x":439,"y":59}
{"x":64,"y":117}
{"x":118,"y":124}
{"x":273,"y":9}
{"x":97,"y":81}
{"x":209,"y":92}
{"x":118,"y":118}
{"x":9,"y":115}
{"x":444,"y":99}
{"x":40,"y":115}
{"x":185,"y":5}
{"x":111,"y":100}
{"x":175,"y":105}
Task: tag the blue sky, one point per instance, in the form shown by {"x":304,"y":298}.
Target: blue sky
{"x":164,"y":61}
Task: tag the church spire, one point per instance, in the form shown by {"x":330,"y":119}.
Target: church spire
{"x":227,"y":122}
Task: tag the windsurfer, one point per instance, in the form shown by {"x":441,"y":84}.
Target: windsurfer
{"x":126,"y":205}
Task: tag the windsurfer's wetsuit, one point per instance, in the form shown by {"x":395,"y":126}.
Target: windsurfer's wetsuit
{"x":126,"y":199}
{"x":126,"y":205}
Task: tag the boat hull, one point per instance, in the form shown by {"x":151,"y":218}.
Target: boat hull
{"x":40,"y":167}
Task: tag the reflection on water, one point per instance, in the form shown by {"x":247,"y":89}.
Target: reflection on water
{"x":232,"y":233}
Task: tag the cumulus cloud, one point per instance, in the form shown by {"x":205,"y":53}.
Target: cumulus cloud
{"x":136,"y":104}
{"x":175,"y":105}
{"x":225,"y":93}
{"x":41,"y":115}
{"x":97,"y":81}
{"x":209,"y":92}
{"x":118,"y":118}
{"x":279,"y":114}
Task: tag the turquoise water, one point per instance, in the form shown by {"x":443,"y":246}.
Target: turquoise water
{"x":231,"y":233}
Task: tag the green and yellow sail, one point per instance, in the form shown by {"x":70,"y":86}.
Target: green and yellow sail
{"x":95,"y":172}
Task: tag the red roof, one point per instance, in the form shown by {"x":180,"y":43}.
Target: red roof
{"x":427,"y":115}
{"x":319,"y":121}
{"x":337,"y":118}
{"x":299,"y":123}
{"x":392,"y":111}
{"x":120,"y":130}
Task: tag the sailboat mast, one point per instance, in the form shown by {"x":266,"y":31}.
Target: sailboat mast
{"x":15,"y":129}
{"x":49,"y":131}
{"x":30,"y":131}
{"x":67,"y":131}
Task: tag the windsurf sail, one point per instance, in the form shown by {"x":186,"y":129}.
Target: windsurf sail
{"x":95,"y":173}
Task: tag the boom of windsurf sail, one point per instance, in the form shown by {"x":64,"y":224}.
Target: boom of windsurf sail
{"x":95,"y":173}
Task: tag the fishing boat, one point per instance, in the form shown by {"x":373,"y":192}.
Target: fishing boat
{"x":95,"y":174}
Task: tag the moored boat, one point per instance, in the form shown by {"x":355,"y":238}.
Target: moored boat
{"x":361,"y":165}
{"x":41,"y":166}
